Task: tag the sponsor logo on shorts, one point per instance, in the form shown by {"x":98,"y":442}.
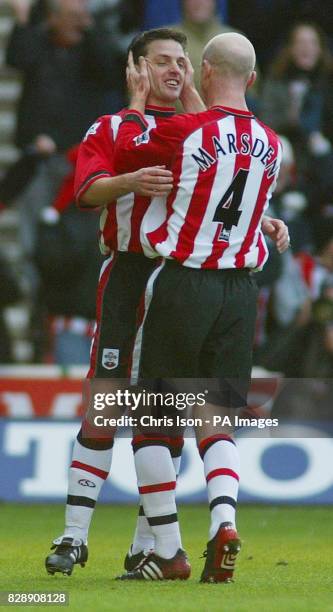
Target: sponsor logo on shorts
{"x":110,"y":358}
{"x":87,"y":483}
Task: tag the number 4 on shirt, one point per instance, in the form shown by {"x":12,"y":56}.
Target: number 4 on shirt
{"x":227,"y":210}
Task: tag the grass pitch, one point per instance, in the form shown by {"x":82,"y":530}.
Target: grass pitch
{"x":286,"y":561}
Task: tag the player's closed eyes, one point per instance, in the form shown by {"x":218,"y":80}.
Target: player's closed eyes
{"x":180,"y":64}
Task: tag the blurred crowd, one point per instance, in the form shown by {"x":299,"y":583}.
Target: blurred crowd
{"x":71,"y":56}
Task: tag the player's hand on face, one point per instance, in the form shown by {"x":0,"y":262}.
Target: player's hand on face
{"x":189,"y":74}
{"x":137,"y":77}
{"x":189,"y":97}
{"x":150,"y":182}
{"x":277,"y":230}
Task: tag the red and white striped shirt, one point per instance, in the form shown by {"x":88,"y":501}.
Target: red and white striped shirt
{"x":120,"y":221}
{"x":224,"y":175}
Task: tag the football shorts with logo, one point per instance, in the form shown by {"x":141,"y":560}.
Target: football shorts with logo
{"x":121,"y":287}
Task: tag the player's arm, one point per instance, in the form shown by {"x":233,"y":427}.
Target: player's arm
{"x":148,"y":182}
{"x":136,"y":146}
{"x":96,"y":182}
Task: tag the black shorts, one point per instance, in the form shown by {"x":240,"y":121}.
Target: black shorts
{"x":198,"y":324}
{"x":122,"y":283}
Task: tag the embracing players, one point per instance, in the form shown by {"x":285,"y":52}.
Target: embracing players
{"x":123,"y":279}
{"x":200,"y":304}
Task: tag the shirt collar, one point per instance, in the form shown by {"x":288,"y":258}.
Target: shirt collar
{"x":232,"y":111}
{"x":160,"y":111}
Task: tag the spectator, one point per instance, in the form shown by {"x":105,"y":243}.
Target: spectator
{"x":68,"y":261}
{"x":289,"y":202}
{"x":320,"y":13}
{"x":310,"y":353}
{"x":296,"y":93}
{"x":265,"y":280}
{"x":288,"y":309}
{"x":318,"y":358}
{"x":284,"y":298}
{"x":322,"y":266}
{"x":66,"y":68}
{"x":311,"y":356}
{"x":264,"y":22}
{"x":67,"y":65}
{"x":9,"y":294}
{"x":200,"y":23}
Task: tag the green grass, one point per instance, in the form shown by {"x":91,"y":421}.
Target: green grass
{"x":286,"y":561}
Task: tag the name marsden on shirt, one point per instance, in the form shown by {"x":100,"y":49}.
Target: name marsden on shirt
{"x":228,"y":146}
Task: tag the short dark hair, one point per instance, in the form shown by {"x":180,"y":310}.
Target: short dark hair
{"x":140,"y":43}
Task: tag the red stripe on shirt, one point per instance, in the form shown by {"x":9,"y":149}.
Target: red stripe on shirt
{"x":199,"y":200}
{"x":140,"y":207}
{"x":161,"y":233}
{"x":110,"y":228}
{"x":262,"y":251}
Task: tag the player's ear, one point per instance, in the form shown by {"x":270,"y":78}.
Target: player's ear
{"x":206,"y":68}
{"x":252,"y":79}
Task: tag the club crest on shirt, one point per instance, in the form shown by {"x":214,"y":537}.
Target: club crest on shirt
{"x":110,"y":358}
{"x":92,"y":130}
{"x":141,"y":139}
